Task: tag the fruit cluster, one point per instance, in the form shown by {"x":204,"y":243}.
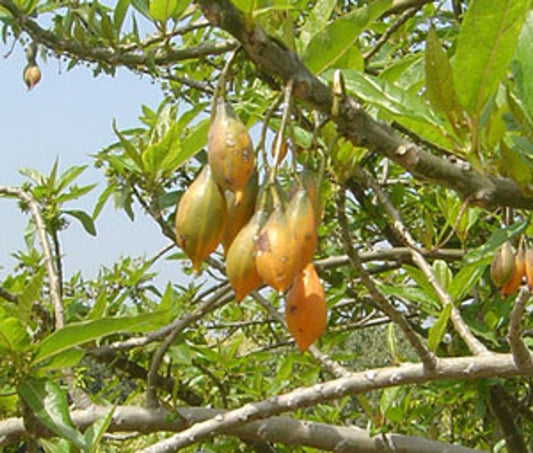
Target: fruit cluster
{"x":267,"y":238}
{"x":508,"y":268}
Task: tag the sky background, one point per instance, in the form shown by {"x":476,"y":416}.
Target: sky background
{"x":68,"y":116}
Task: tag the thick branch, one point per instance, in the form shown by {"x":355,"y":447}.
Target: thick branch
{"x":275,"y":59}
{"x":464,"y":368}
{"x":276,"y":429}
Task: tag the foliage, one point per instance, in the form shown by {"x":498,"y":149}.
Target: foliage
{"x":405,"y":243}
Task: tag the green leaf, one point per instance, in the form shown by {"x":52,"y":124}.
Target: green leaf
{"x":69,"y":175}
{"x":13,"y":335}
{"x":328,"y":45}
{"x":85,"y":219}
{"x":30,"y":294}
{"x":443,"y":273}
{"x":96,"y":431}
{"x":497,"y":238}
{"x":102,"y":199}
{"x":193,"y":141}
{"x":99,"y":306}
{"x":466,"y":279}
{"x":165,"y":153}
{"x":523,"y":65}
{"x":486,"y":44}
{"x":437,"y":331}
{"x":78,"y":333}
{"x":162,"y":9}
{"x":316,"y":21}
{"x":439,"y":80}
{"x":119,"y":14}
{"x":46,"y":399}
{"x":406,"y":108}
{"x":515,"y":165}
{"x":130,"y":150}
{"x":65,"y":359}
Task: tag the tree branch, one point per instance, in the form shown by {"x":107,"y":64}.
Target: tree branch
{"x":127,"y":56}
{"x":273,"y":58}
{"x":463,"y":368}
{"x":474,"y":345}
{"x":521,"y":354}
{"x":284,"y":430}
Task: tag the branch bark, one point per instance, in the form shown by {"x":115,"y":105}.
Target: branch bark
{"x":464,"y":368}
{"x":273,"y":58}
{"x":284,"y":430}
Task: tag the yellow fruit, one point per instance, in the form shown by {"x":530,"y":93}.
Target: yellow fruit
{"x":239,"y":213}
{"x":230,"y":150}
{"x":518,"y":274}
{"x":502,"y":266}
{"x":201,"y":218}
{"x":305,"y":308}
{"x":240,"y":260}
{"x":276,"y":259}
{"x":301,"y":220}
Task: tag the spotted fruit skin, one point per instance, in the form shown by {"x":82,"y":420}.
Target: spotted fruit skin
{"x":306,"y":308}
{"x":502,"y":266}
{"x":239,"y":213}
{"x":518,"y":274}
{"x":230,"y":150}
{"x":240,"y":261}
{"x":301,"y":220}
{"x":201,"y":218}
{"x":276,"y":259}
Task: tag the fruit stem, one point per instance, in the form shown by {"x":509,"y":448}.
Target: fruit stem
{"x":220,"y":90}
{"x":281,"y":134}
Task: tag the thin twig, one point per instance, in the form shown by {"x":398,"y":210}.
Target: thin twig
{"x":406,"y":15}
{"x":219,"y":298}
{"x":428,"y":358}
{"x":474,"y":345}
{"x":522,"y":355}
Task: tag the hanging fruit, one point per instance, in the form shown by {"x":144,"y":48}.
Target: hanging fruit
{"x":528,"y":258}
{"x":502,"y":266}
{"x":518,"y":274}
{"x":201,"y":218}
{"x":276,"y":259}
{"x":305,"y":308}
{"x":32,"y":75}
{"x":239,"y":213}
{"x":302,"y":226}
{"x":240,"y":261}
{"x":308,"y":179}
{"x":230,"y":150}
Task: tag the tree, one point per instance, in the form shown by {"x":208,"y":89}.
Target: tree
{"x":416,"y":119}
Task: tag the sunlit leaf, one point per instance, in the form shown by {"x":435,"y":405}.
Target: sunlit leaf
{"x":49,"y":403}
{"x":437,"y":330}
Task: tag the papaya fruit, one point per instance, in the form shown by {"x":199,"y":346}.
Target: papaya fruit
{"x":276,"y":259}
{"x":302,"y":227}
{"x":230,"y":150}
{"x":502,"y":266}
{"x":308,"y":179}
{"x":201,"y":218}
{"x":306,"y":308}
{"x":518,"y":274}
{"x":240,"y":261}
{"x":239,"y":213}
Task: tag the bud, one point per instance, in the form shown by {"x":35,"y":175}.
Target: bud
{"x":502,"y":266}
{"x":32,"y":75}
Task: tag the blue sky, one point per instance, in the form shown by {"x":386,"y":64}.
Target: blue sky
{"x":68,"y":116}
